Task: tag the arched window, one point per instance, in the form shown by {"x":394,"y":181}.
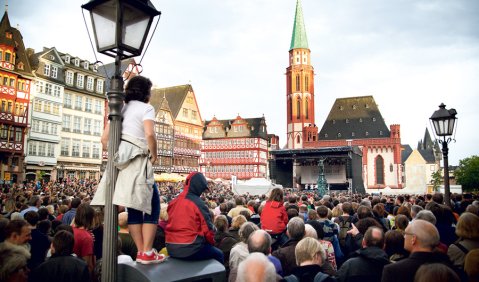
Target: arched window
{"x":298,"y":108}
{"x":298,"y":139}
{"x":298,"y":82}
{"x":290,"y":106}
{"x":306,"y":83}
{"x":379,"y":170}
{"x":306,"y":108}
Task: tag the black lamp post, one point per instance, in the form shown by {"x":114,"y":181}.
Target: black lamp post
{"x":120,"y":28}
{"x":444,"y":121}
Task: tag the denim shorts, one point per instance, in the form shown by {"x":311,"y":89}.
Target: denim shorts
{"x":139,"y":217}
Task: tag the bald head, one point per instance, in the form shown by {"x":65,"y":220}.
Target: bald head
{"x":374,"y":237}
{"x":259,"y":241}
{"x":426,"y":234}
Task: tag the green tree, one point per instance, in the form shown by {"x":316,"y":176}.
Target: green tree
{"x":467,"y":174}
{"x":436,"y":180}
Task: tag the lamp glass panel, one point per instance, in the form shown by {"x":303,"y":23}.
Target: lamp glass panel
{"x":436,"y":127}
{"x":104,"y":24}
{"x":135,"y":25}
{"x":450,"y":130}
{"x":442,"y":127}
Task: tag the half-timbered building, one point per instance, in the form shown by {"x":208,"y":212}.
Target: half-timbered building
{"x":188,"y":125}
{"x":236,"y":147}
{"x":15,"y":86}
{"x":165,"y":137}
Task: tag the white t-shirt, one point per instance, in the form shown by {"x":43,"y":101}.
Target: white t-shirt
{"x":134,"y":114}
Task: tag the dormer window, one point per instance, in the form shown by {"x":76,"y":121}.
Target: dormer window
{"x":366,"y":106}
{"x":347,"y":120}
{"x":20,"y":66}
{"x":352,"y":134}
{"x":334,"y":121}
{"x":339,"y":135}
{"x":46,"y":70}
{"x":67,"y":59}
{"x":354,"y":107}
{"x":77,"y":62}
{"x":340,"y":108}
{"x":380,"y":132}
{"x":367,"y":133}
{"x":51,"y":57}
{"x":95,"y":68}
{"x":8,"y":35}
{"x":325,"y":135}
{"x":86,"y":65}
{"x":374,"y":119}
{"x":360,"y":120}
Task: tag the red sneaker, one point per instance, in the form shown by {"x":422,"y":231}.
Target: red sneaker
{"x":155,"y":257}
{"x":139,"y":256}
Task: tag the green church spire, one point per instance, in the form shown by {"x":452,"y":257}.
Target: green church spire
{"x":299,"y":38}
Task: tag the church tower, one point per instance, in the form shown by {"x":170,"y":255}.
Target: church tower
{"x":299,"y":84}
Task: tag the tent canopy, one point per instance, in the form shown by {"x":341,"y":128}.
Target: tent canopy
{"x":169,"y":177}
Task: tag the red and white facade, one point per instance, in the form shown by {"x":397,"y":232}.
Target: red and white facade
{"x":236,"y":147}
{"x":15,"y":87}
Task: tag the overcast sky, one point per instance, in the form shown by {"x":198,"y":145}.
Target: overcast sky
{"x":411,"y":55}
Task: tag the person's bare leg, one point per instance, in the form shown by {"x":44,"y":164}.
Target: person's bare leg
{"x":136,"y":234}
{"x":149,"y":232}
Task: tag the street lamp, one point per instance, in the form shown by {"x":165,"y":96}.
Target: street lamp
{"x":120,"y":28}
{"x":444,"y":121}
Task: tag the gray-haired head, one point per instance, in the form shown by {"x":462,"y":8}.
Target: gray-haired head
{"x":256,"y":267}
{"x":426,"y":215}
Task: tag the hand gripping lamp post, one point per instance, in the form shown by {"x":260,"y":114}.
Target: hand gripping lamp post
{"x":120,"y":28}
{"x":444,"y":121}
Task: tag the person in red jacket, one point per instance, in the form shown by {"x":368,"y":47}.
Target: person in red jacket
{"x":274,"y":217}
{"x":189,"y":232}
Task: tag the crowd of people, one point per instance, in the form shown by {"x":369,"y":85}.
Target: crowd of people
{"x":50,"y":232}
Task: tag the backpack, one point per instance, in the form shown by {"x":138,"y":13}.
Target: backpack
{"x":344,"y":227}
{"x":320,"y":277}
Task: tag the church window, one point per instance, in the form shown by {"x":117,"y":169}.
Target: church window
{"x":379,"y":170}
{"x":298,"y":108}
{"x":297,"y":82}
{"x":306,"y":83}
{"x":290,"y":104}
{"x":306,"y":110}
{"x":298,"y":139}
